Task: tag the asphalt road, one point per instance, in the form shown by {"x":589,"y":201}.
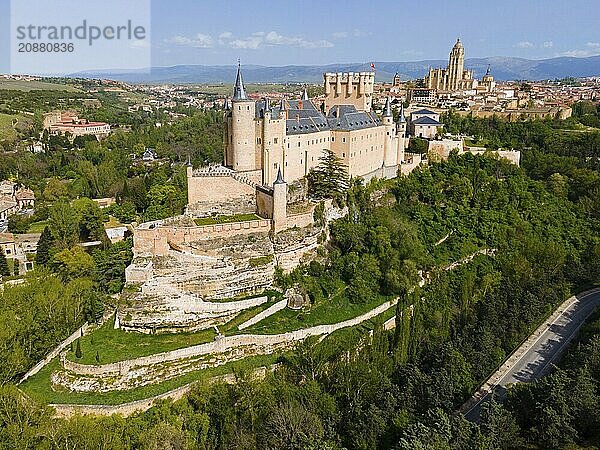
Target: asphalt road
{"x":538,"y":359}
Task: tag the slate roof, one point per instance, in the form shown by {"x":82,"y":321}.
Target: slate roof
{"x":426,"y":121}
{"x":347,"y":118}
{"x":238,"y":90}
{"x":303,"y":117}
{"x":424,"y":111}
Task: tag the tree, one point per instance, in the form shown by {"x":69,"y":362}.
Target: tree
{"x":78,"y":353}
{"x":72,"y":263}
{"x":42,"y":256}
{"x":64,"y":225}
{"x":329,"y":179}
{"x":4,"y":269}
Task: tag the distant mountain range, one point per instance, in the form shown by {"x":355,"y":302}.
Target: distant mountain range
{"x":503,"y":69}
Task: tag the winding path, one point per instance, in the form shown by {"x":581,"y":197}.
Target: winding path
{"x":537,"y":354}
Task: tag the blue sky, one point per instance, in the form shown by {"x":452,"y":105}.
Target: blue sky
{"x":320,"y":32}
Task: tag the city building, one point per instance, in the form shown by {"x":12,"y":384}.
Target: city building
{"x":65,"y":122}
{"x":425,"y":124}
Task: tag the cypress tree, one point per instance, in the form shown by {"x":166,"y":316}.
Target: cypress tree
{"x":42,"y":255}
{"x":4,"y":270}
{"x":78,"y":353}
{"x":97,"y":356}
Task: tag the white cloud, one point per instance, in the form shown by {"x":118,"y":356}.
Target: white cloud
{"x":198,"y":41}
{"x":575,"y":53}
{"x":360,"y":33}
{"x":262,"y":39}
{"x":225,"y":37}
{"x":548,"y":44}
{"x":340,"y":34}
{"x":524,"y":44}
{"x":140,"y":43}
{"x":592,"y":49}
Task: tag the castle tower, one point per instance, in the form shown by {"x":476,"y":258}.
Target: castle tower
{"x":389,"y":144}
{"x":279,"y":203}
{"x":401,"y":135}
{"x":349,"y":89}
{"x":241,"y":149}
{"x":456,"y":66}
{"x":401,"y":124}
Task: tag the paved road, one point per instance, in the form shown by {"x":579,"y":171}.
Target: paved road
{"x":535,"y":358}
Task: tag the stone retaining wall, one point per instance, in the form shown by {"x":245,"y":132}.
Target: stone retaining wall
{"x":127,"y":409}
{"x":264,"y":314}
{"x":81,"y":331}
{"x":221,"y":345}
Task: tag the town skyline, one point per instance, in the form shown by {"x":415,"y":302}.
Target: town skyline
{"x":303,"y":33}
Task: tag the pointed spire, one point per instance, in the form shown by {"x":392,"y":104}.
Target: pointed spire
{"x":401,"y":118}
{"x":387,"y":110}
{"x":279,"y":179}
{"x":226,"y":104}
{"x":238,"y":91}
{"x":487,"y":72}
{"x":304,"y":95}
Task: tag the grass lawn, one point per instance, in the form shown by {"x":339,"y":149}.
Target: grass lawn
{"x":7,"y":130}
{"x":40,"y":388}
{"x":329,"y":311}
{"x":112,"y":222}
{"x":117,"y":345}
{"x":37,"y":227}
{"x":225,"y":219}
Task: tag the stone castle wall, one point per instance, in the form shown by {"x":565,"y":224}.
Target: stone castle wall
{"x":154,"y":238}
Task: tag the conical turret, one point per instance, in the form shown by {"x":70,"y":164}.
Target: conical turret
{"x":304,"y":95}
{"x":238,"y":90}
{"x":387,"y":110}
{"x":401,"y":117}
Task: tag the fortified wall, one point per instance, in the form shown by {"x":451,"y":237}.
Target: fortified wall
{"x":440,"y":150}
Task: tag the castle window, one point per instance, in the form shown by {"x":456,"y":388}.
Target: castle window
{"x":298,"y":143}
{"x":300,"y":162}
{"x":332,"y":139}
{"x":343,"y":139}
{"x":274,"y":165}
{"x":275,"y":140}
{"x":248,"y":107}
{"x":343,"y":155}
{"x":258,"y":140}
{"x":239,"y":108}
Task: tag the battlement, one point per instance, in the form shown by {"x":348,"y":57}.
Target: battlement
{"x":349,"y":88}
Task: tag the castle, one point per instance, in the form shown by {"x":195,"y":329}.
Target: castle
{"x":291,"y":136}
{"x":270,"y":148}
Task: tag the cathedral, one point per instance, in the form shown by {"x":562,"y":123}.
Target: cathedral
{"x":263,"y":138}
{"x":455,"y":77}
